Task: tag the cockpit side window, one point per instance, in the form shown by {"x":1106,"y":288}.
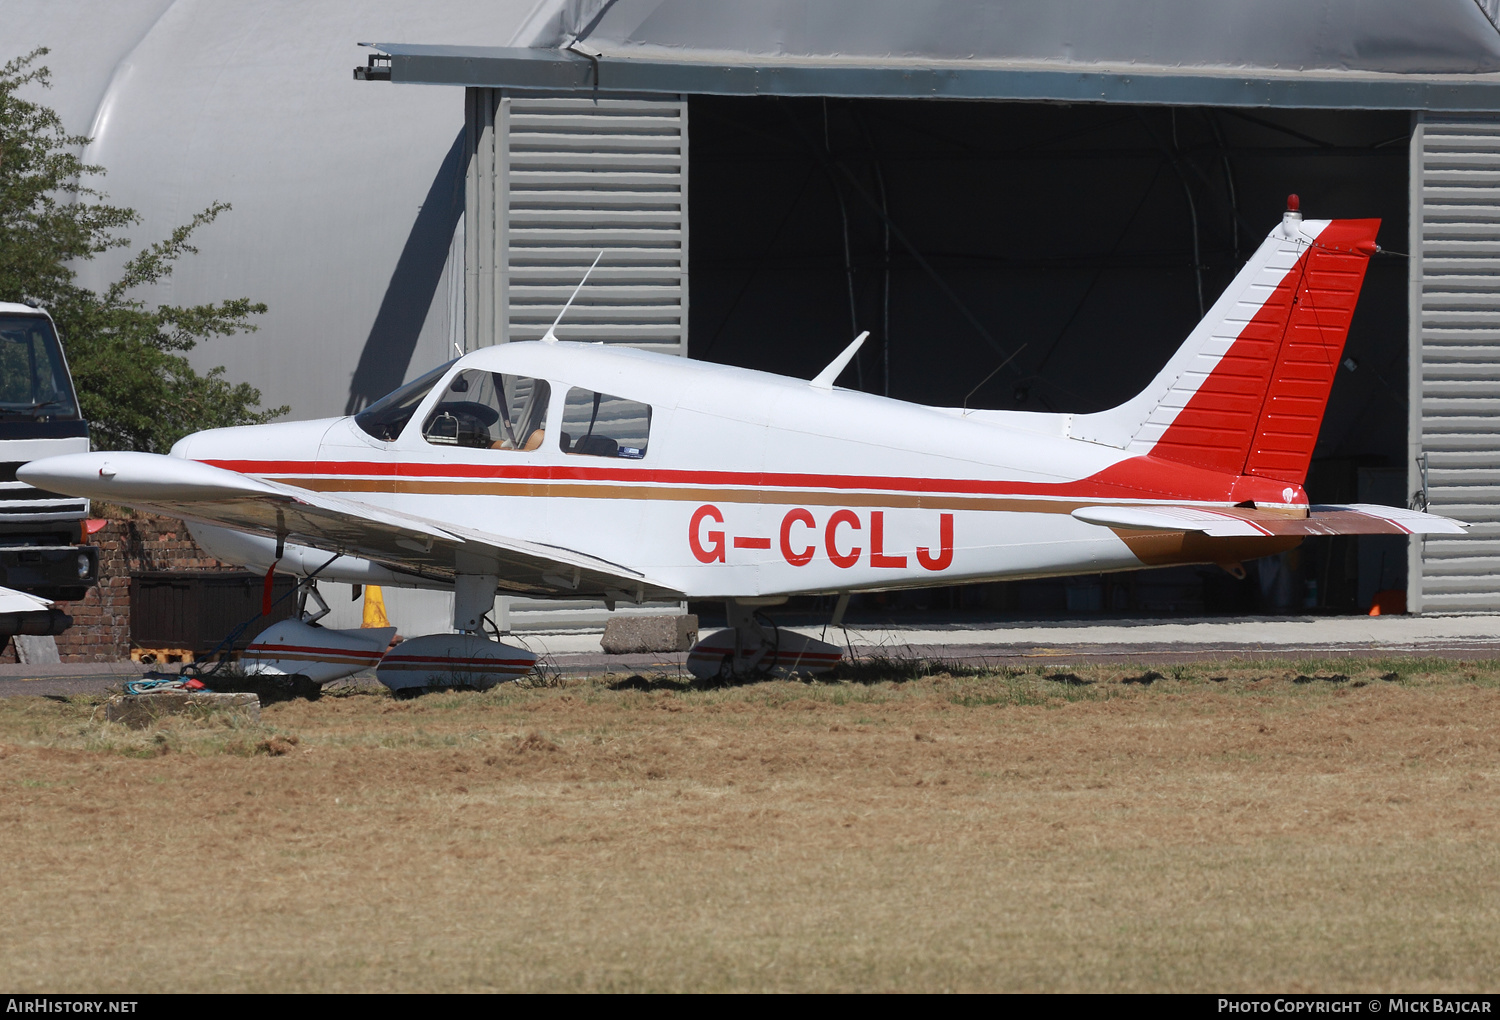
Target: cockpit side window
{"x":490,"y":411}
{"x":601,"y":425}
{"x":385,"y":418}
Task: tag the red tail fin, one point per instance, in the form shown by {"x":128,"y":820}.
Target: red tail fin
{"x":1326,"y":289}
{"x":1245,"y":393}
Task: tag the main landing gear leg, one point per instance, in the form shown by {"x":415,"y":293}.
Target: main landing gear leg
{"x":473,"y":599}
{"x":755,"y":645}
{"x":307,"y":589}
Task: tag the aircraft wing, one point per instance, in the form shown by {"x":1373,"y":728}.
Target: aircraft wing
{"x":1253,"y":522}
{"x":189,"y":490}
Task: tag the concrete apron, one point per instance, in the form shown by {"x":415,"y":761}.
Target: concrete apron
{"x":1025,"y":642}
{"x":1124,"y":641}
{"x":1296,"y":631}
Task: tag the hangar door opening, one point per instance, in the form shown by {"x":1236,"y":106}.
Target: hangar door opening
{"x":1051,"y":257}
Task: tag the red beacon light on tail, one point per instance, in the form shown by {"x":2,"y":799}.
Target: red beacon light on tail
{"x":1291,"y":220}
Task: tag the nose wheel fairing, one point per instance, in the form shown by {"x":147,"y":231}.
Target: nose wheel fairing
{"x":297,"y":648}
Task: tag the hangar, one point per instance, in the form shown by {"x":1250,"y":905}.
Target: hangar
{"x":1026,"y":203}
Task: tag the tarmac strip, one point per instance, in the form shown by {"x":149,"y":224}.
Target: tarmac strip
{"x":69,"y":679}
{"x":596,"y":664}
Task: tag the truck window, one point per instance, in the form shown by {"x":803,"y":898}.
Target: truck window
{"x":601,"y":425}
{"x":490,"y":411}
{"x":385,"y":418}
{"x":33,"y":380}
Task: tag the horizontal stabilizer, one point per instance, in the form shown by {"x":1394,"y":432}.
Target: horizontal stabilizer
{"x":1213,"y":523}
{"x":1368,"y":519}
{"x":1250,"y":522}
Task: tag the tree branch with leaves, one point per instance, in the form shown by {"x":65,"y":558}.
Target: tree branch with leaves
{"x":136,"y":387}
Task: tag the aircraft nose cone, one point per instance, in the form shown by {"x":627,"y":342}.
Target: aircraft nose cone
{"x":136,"y":476}
{"x":62,"y":474}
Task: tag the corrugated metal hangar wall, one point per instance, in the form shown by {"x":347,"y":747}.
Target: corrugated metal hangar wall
{"x":1455,"y":354}
{"x":552,"y":182}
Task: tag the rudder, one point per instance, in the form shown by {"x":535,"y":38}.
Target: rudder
{"x":1246,"y":392}
{"x":1327,"y":289}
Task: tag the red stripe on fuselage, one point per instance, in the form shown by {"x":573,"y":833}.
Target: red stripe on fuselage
{"x":1132,"y":478}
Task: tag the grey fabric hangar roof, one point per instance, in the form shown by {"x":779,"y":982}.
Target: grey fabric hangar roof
{"x":1371,"y":54}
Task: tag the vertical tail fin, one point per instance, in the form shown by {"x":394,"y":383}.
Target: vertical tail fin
{"x":1245,"y":393}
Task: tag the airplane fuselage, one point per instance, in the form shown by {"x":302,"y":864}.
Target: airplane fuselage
{"x":747,"y":484}
{"x":568,"y":470}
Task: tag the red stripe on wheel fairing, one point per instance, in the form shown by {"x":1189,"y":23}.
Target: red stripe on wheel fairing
{"x":310,"y":657}
{"x":805,"y":656}
{"x":423,"y":662}
{"x":281,"y":649}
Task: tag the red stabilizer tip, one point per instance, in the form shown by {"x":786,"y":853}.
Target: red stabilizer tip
{"x":1293,"y":203}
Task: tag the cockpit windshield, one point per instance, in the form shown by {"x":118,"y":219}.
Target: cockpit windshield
{"x":385,"y":418}
{"x":34,"y":382}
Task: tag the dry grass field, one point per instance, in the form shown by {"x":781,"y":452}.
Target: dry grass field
{"x":1234,"y":826}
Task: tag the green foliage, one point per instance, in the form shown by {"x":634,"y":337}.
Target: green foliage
{"x":135,"y":387}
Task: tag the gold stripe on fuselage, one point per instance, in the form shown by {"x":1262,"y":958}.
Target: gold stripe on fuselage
{"x":687,"y":494}
{"x":1152,"y":548}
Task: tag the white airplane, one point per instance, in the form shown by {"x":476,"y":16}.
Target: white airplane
{"x":572,"y":470}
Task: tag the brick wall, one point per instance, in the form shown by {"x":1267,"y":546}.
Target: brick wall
{"x":128,"y":543}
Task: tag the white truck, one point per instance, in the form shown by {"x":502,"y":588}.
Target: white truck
{"x":44,"y":556}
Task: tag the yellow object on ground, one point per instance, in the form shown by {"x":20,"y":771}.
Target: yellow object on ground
{"x":374,"y":613}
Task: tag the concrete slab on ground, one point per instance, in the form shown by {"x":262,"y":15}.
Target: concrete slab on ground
{"x":139,"y":711}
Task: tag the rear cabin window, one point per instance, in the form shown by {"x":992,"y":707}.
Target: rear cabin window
{"x":601,"y":425}
{"x":490,"y":411}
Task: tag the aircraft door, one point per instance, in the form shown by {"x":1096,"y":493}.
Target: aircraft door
{"x":482,"y":410}
{"x":718,"y":536}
